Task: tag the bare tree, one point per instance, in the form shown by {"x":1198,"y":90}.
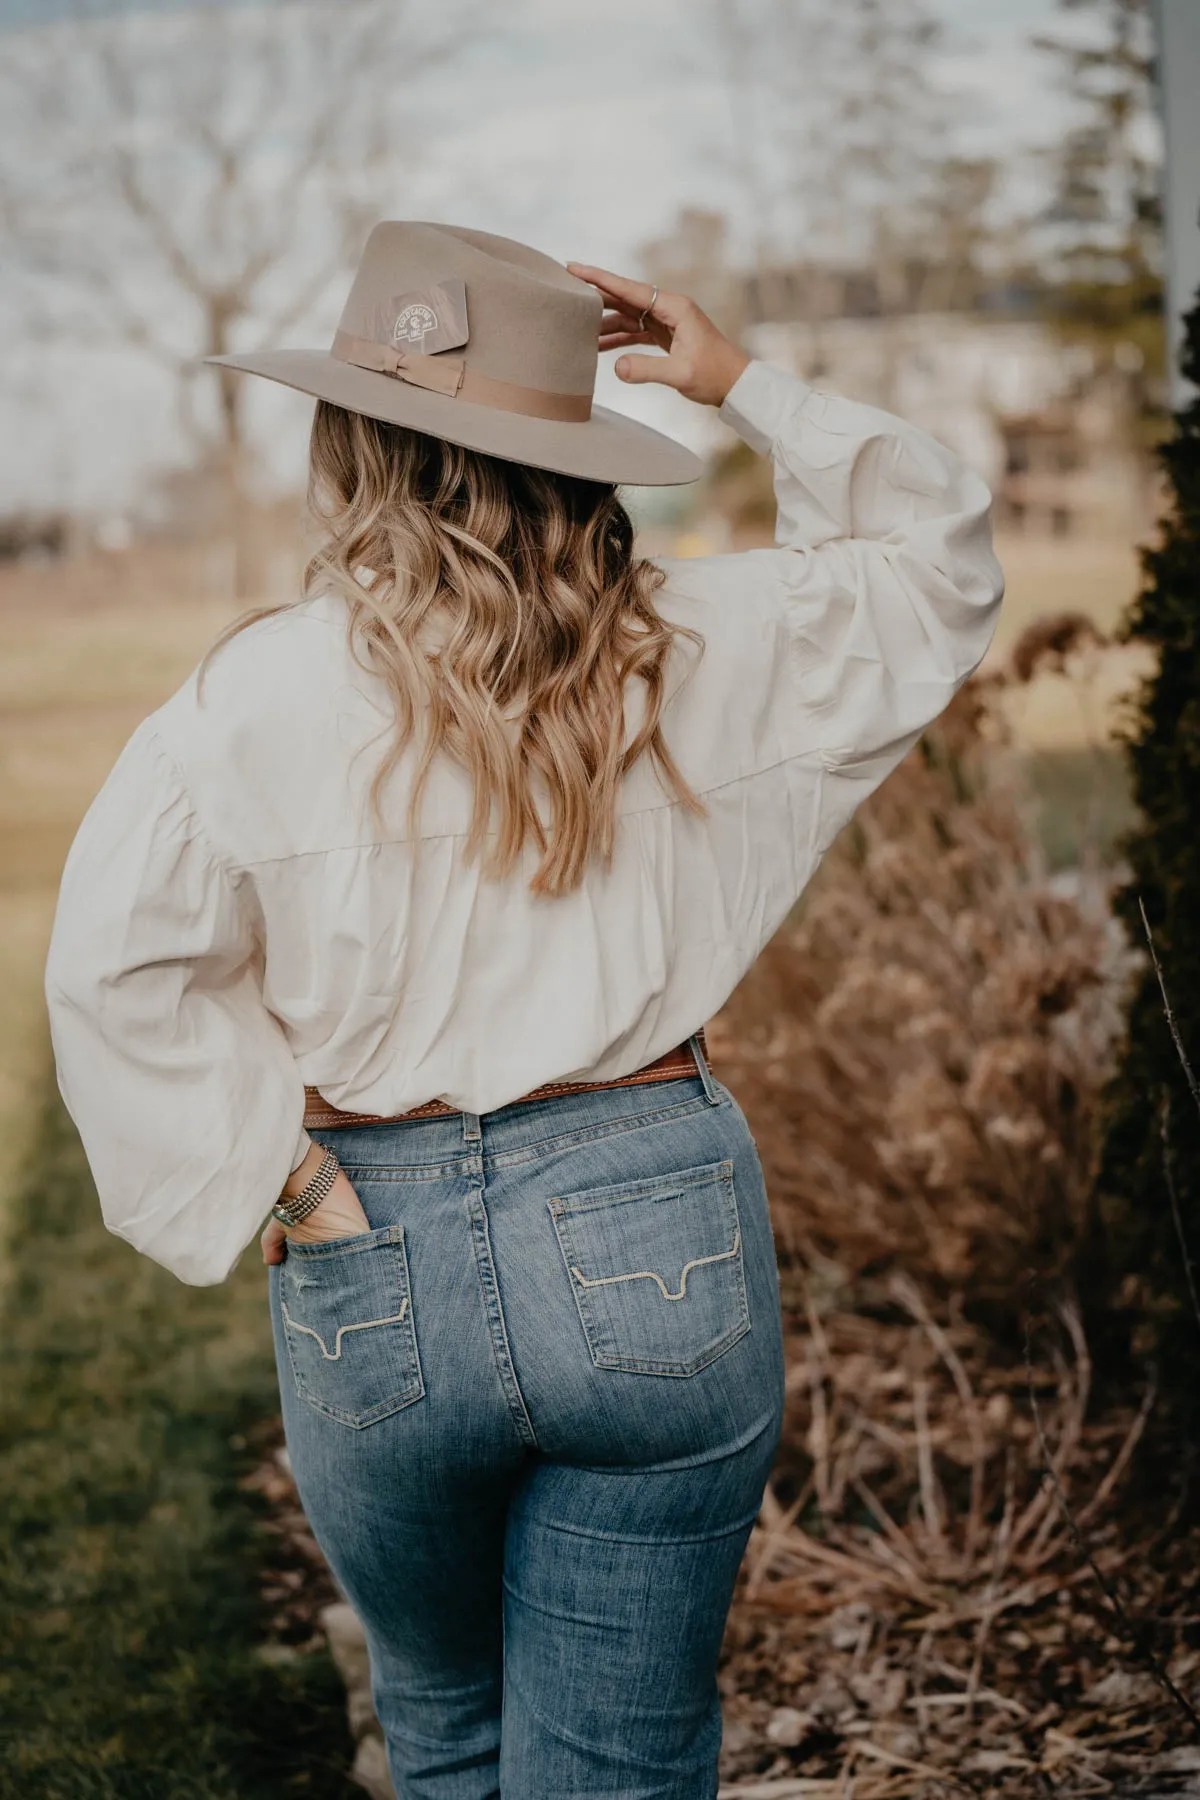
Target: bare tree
{"x":186,"y":184}
{"x":1104,"y":250}
{"x":693,"y":256}
{"x":959,"y":242}
{"x":849,"y":187}
{"x":838,"y":124}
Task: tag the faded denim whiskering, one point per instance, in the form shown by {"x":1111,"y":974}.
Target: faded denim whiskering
{"x":531,"y":1414}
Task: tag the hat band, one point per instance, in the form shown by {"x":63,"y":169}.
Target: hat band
{"x":450,"y":376}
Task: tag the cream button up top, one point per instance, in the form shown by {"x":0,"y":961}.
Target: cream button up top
{"x":233,"y":924}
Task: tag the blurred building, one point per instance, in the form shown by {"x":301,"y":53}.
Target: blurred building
{"x":34,"y":537}
{"x":1044,"y":422}
{"x":1057,"y":428}
{"x":1178,"y":69}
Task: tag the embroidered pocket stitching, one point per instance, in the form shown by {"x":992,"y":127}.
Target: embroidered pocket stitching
{"x":573,"y":1211}
{"x":363,"y":1325}
{"x":697,"y":1262}
{"x":388,"y":1256}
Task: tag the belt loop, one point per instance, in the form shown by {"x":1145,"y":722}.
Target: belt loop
{"x":472,"y":1129}
{"x":704,"y":1072}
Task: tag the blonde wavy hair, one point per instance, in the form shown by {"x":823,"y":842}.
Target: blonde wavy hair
{"x":508,"y":614}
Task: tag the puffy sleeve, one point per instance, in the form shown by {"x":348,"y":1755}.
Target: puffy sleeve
{"x":185,"y":1094}
{"x":883,"y":566}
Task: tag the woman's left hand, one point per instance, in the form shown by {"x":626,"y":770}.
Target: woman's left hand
{"x":339,"y":1215}
{"x":701,"y":363}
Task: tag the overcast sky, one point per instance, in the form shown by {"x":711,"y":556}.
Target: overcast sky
{"x":580,"y":128}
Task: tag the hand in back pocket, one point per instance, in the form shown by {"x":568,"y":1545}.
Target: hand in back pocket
{"x":347,"y":1315}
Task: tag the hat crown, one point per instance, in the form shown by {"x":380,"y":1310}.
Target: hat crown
{"x":528,"y":321}
{"x":479,"y":341}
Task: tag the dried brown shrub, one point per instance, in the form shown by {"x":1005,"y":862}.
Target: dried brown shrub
{"x":914,"y":1616}
{"x":1052,"y":642}
{"x":922,"y":1050}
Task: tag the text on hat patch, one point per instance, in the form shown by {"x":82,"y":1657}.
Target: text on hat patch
{"x":427,"y":320}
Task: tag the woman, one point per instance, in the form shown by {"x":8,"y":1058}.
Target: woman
{"x":405,"y":914}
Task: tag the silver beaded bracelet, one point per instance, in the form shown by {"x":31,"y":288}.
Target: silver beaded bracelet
{"x":290,"y":1209}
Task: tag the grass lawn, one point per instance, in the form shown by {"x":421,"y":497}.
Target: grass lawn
{"x":129,"y":1555}
{"x":73,"y":686}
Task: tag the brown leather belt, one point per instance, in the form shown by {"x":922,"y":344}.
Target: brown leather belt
{"x":320,"y":1115}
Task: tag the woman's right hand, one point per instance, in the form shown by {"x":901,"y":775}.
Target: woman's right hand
{"x":339,"y":1215}
{"x":701,"y":362}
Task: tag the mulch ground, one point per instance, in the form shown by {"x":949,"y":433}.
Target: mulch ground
{"x":966,"y":1579}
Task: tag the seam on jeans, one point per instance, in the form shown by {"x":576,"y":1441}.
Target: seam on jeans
{"x":675,"y":1182}
{"x":359,"y":1243}
{"x":702,"y":1459}
{"x":567,"y":1140}
{"x":697,"y":1262}
{"x":365,"y":1325}
{"x":620,"y":1537}
{"x":551,"y":1727}
{"x":527,"y":1152}
{"x":683,"y":1765}
{"x":493,"y":1308}
{"x":409,"y":1171}
{"x":674,"y":1371}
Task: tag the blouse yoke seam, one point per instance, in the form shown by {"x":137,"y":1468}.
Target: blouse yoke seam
{"x":814,"y":757}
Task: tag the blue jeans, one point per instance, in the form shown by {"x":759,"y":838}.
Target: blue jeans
{"x":530,"y":1414}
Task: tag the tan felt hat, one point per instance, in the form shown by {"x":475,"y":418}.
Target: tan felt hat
{"x":481,"y":341}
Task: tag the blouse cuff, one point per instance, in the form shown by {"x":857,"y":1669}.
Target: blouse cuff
{"x":760,"y":402}
{"x":303,"y":1146}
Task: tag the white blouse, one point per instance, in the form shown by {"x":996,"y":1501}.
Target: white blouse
{"x":233,"y":924}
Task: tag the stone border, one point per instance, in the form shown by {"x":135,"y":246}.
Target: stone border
{"x":348,"y":1648}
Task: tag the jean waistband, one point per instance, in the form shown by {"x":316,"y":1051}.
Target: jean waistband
{"x":686,"y":1059}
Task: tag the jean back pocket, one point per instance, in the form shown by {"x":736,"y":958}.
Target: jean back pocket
{"x":656,"y":1268}
{"x":346,"y":1308}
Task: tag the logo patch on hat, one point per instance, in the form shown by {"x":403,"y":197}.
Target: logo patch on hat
{"x":427,"y":320}
{"x":414,"y":324}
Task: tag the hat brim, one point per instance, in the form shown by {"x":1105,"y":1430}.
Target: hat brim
{"x":606,"y":447}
